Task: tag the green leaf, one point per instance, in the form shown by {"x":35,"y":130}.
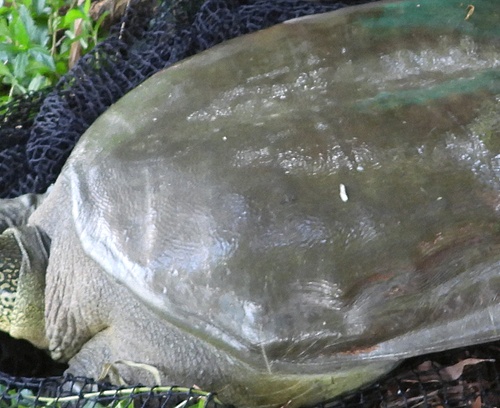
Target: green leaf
{"x":42,"y":36}
{"x":19,"y":64}
{"x":38,"y":82}
{"x":28,"y":22}
{"x":20,"y":34}
{"x":39,"y":7}
{"x":61,"y":67}
{"x":8,"y":48}
{"x":38,"y":34}
{"x":84,"y":42}
{"x":86,"y":8}
{"x":70,"y":35}
{"x":71,"y":16}
{"x":42,"y":56}
{"x":4,"y":9}
{"x":92,"y":404}
{"x":56,"y":4}
{"x":4,"y":70}
{"x":4,"y":30}
{"x":26,"y":393}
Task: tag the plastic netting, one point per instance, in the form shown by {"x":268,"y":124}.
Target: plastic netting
{"x":38,"y":132}
{"x":69,"y":391}
{"x":466,"y":377}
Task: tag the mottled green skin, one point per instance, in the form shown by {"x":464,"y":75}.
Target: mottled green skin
{"x":10,"y":265}
{"x":288,"y":215}
{"x":24,"y":255}
{"x":23,"y":262}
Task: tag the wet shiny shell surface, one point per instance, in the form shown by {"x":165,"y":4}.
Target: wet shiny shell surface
{"x":319,"y":192}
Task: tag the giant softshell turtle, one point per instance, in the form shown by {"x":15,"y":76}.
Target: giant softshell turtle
{"x":281,"y":218}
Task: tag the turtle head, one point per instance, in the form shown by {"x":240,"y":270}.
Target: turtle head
{"x":23,"y":261}
{"x":10,"y":265}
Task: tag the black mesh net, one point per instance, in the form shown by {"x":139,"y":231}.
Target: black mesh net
{"x":69,"y":391}
{"x":37,"y":133}
{"x":466,"y":377}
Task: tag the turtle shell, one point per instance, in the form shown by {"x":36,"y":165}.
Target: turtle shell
{"x":321,"y":192}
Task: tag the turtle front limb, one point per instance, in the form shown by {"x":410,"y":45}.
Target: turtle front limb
{"x":24,"y":254}
{"x":16,"y":211}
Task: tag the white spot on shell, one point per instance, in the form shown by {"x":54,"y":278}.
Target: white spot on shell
{"x":343,"y":193}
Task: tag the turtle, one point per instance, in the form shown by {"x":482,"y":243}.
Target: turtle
{"x":281,"y":218}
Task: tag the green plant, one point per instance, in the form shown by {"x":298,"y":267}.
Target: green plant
{"x":36,"y":37}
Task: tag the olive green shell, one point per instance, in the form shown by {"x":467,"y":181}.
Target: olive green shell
{"x":320,"y":192}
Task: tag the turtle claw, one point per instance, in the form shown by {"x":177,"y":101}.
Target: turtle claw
{"x":56,"y":354}
{"x":111,"y":372}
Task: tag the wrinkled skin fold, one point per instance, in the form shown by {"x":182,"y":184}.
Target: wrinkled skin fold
{"x":288,"y":215}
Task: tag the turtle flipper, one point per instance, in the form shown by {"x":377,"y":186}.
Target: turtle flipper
{"x":16,"y":211}
{"x":24,"y":253}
